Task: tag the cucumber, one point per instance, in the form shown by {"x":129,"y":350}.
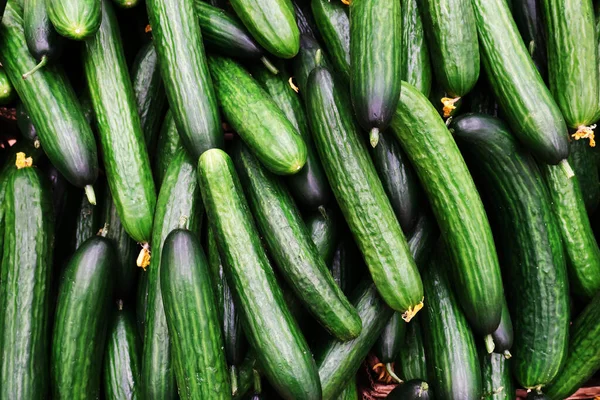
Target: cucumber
{"x":529,"y":235}
{"x":333,"y":22}
{"x":169,"y":143}
{"x":350,"y":392}
{"x":281,"y":351}
{"x":583,"y":356}
{"x":299,"y":261}
{"x":87,"y":221}
{"x":528,"y":18}
{"x":416,"y":64}
{"x":246,"y":375}
{"x":452,"y":38}
{"x":412,"y":359}
{"x":180,"y":52}
{"x":535,"y":395}
{"x":309,"y":186}
{"x":189,"y":302}
{"x":80,"y":323}
{"x":411,"y":390}
{"x":390,"y":340}
{"x":526,"y":103}
{"x":456,"y":205}
{"x":25,"y":293}
{"x":306,"y":61}
{"x":126,"y":160}
{"x":347,"y":266}
{"x":375,"y":62}
{"x":454,"y":369}
{"x":360,"y":194}
{"x":272,"y":24}
{"x":75,"y":19}
{"x":256,"y":118}
{"x":25,"y":125}
{"x":179,"y":197}
{"x":122,"y":358}
{"x":503,"y":336}
{"x":43,"y":41}
{"x":7,"y":91}
{"x":64,"y":133}
{"x":141,"y":304}
{"x":496,"y":377}
{"x":149,"y":92}
{"x":324,"y":231}
{"x":126,"y":3}
{"x":583,"y":161}
{"x":481,"y":100}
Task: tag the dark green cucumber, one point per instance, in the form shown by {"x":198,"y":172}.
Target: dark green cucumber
{"x":149,"y":93}
{"x":399,"y":180}
{"x":7,"y":91}
{"x":503,"y":336}
{"x":126,"y":160}
{"x":75,"y":19}
{"x":390,"y":340}
{"x":350,"y":392}
{"x":80,"y":323}
{"x":360,"y":194}
{"x":583,"y":358}
{"x":290,"y":245}
{"x":456,"y":205}
{"x":141,"y":304}
{"x":454,"y":369}
{"x":375,"y":62}
{"x":535,"y":395}
{"x":169,"y":143}
{"x":178,"y":42}
{"x":347,"y":266}
{"x":272,"y":24}
{"x":583,"y":161}
{"x":528,"y":18}
{"x":411,"y":390}
{"x":305,"y":20}
{"x":481,"y":100}
{"x":572,"y":59}
{"x":497,"y":377}
{"x":525,"y":101}
{"x":258,"y":120}
{"x":88,"y":221}
{"x":179,"y":197}
{"x":306,"y":61}
{"x":529,"y":236}
{"x":26,"y":126}
{"x":54,"y":110}
{"x":280,"y":348}
{"x":246,"y":374}
{"x":25,"y":293}
{"x":412,"y":359}
{"x":416,"y":64}
{"x":452,"y":37}
{"x":333,"y":22}
{"x":122,"y":358}
{"x":309,"y":186}
{"x":189,"y":302}
{"x":43,"y":41}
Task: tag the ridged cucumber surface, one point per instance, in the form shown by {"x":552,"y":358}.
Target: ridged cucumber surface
{"x":416,"y":62}
{"x":75,"y":19}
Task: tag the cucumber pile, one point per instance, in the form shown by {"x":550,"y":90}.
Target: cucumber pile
{"x":272,"y":199}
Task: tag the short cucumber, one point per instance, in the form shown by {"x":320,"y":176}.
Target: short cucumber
{"x":412,"y":359}
{"x":43,"y":41}
{"x":416,"y":64}
{"x":75,"y":19}
{"x":503,"y":336}
{"x":324,"y":231}
{"x":169,"y":143}
{"x":497,"y":377}
{"x":7,"y":91}
{"x":390,"y":340}
{"x":411,"y":390}
{"x":528,"y":18}
{"x":583,"y":161}
{"x":333,"y":22}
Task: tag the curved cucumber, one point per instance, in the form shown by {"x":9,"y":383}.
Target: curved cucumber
{"x":416,"y":64}
{"x":42,"y":39}
{"x":169,"y":143}
{"x":497,"y":377}
{"x":333,"y":22}
{"x":75,"y":19}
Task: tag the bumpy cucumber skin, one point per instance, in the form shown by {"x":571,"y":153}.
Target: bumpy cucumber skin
{"x":333,"y":22}
{"x":497,"y":377}
{"x":42,"y":39}
{"x":75,"y":19}
{"x":416,"y":64}
{"x":169,"y":143}
{"x":324,"y":231}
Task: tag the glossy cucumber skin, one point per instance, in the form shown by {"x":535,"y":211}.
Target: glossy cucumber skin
{"x":497,"y":377}
{"x":292,"y":248}
{"x":42,"y":39}
{"x":309,"y":186}
{"x":333,"y":22}
{"x":527,"y":104}
{"x":528,"y":233}
{"x":25,"y":293}
{"x":75,"y":19}
{"x":504,"y":335}
{"x":528,"y":18}
{"x":179,"y":197}
{"x":54,"y":110}
{"x":416,"y":63}
{"x":280,"y":348}
{"x":572,"y":59}
{"x":412,"y":359}
{"x":169,"y":143}
{"x":258,"y":120}
{"x":411,"y":390}
{"x":360,"y":194}
{"x":126,"y":160}
{"x":452,"y":359}
{"x":375,"y":60}
{"x":80,"y":323}
{"x":391,"y":338}
{"x":88,"y":221}
{"x":189,"y":302}
{"x":452,"y":37}
{"x":7,"y":91}
{"x":184,"y":70}
{"x":583,"y":161}
{"x":324,"y":231}
{"x":271,"y":23}
{"x":457,"y":206}
{"x":122,"y":358}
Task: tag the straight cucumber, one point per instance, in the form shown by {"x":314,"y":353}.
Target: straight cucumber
{"x":306,"y":61}
{"x":416,"y":64}
{"x":497,"y":377}
{"x":333,"y":22}
{"x":412,"y":359}
{"x":390,"y":340}
{"x":169,"y":143}
{"x":75,"y":19}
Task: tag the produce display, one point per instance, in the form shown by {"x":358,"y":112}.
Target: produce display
{"x":299,"y":199}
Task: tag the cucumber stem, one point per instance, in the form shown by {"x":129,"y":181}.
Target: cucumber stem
{"x":424,"y":387}
{"x":318,"y":58}
{"x":323,"y":212}
{"x":143,"y":259}
{"x":489,"y":344}
{"x":183,"y":222}
{"x":104,"y":231}
{"x":120,"y":304}
{"x":36,"y":143}
{"x":234,"y":379}
{"x":257,"y":385}
{"x":390,"y":371}
{"x":374,"y":137}
{"x":41,"y":64}
{"x":90,"y":194}
{"x":507,"y":354}
{"x":267,"y":63}
{"x":567,"y":168}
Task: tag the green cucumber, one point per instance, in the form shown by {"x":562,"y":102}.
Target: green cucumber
{"x":178,"y":42}
{"x":25,"y":293}
{"x":350,"y":392}
{"x":281,"y":351}
{"x":179,"y":197}
{"x":65,"y":135}
{"x":375,"y":62}
{"x":360,"y":194}
{"x":141,"y":304}
{"x":456,"y":205}
{"x":87,"y":222}
{"x":306,"y":61}
{"x":411,"y":390}
{"x":25,"y":125}
{"x":528,"y":18}
{"x":309,"y":186}
{"x":535,"y":395}
{"x":503,"y":336}
{"x":80,"y":323}
{"x":583,"y":161}
{"x":256,"y":118}
{"x":496,"y":377}
{"x":126,"y":3}
{"x":272,"y":24}
{"x":246,"y":375}
{"x":43,"y":41}
{"x":189,"y":302}
{"x":412,"y":359}
{"x":390,"y":340}
{"x":75,"y":19}
{"x":529,"y":235}
{"x":305,"y":20}
{"x":126,"y":160}
{"x":7,"y":91}
{"x":416,"y":64}
{"x":333,"y":22}
{"x":347,"y":266}
{"x":452,"y":37}
{"x":122,"y":358}
{"x":526,"y":103}
{"x":454,"y":369}
{"x":169,"y":143}
{"x":481,"y":100}
{"x":299,"y":261}
{"x":324,"y":232}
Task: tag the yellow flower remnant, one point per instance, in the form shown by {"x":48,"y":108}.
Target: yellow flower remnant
{"x":449,"y":105}
{"x":585,"y":132}
{"x":22,"y":161}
